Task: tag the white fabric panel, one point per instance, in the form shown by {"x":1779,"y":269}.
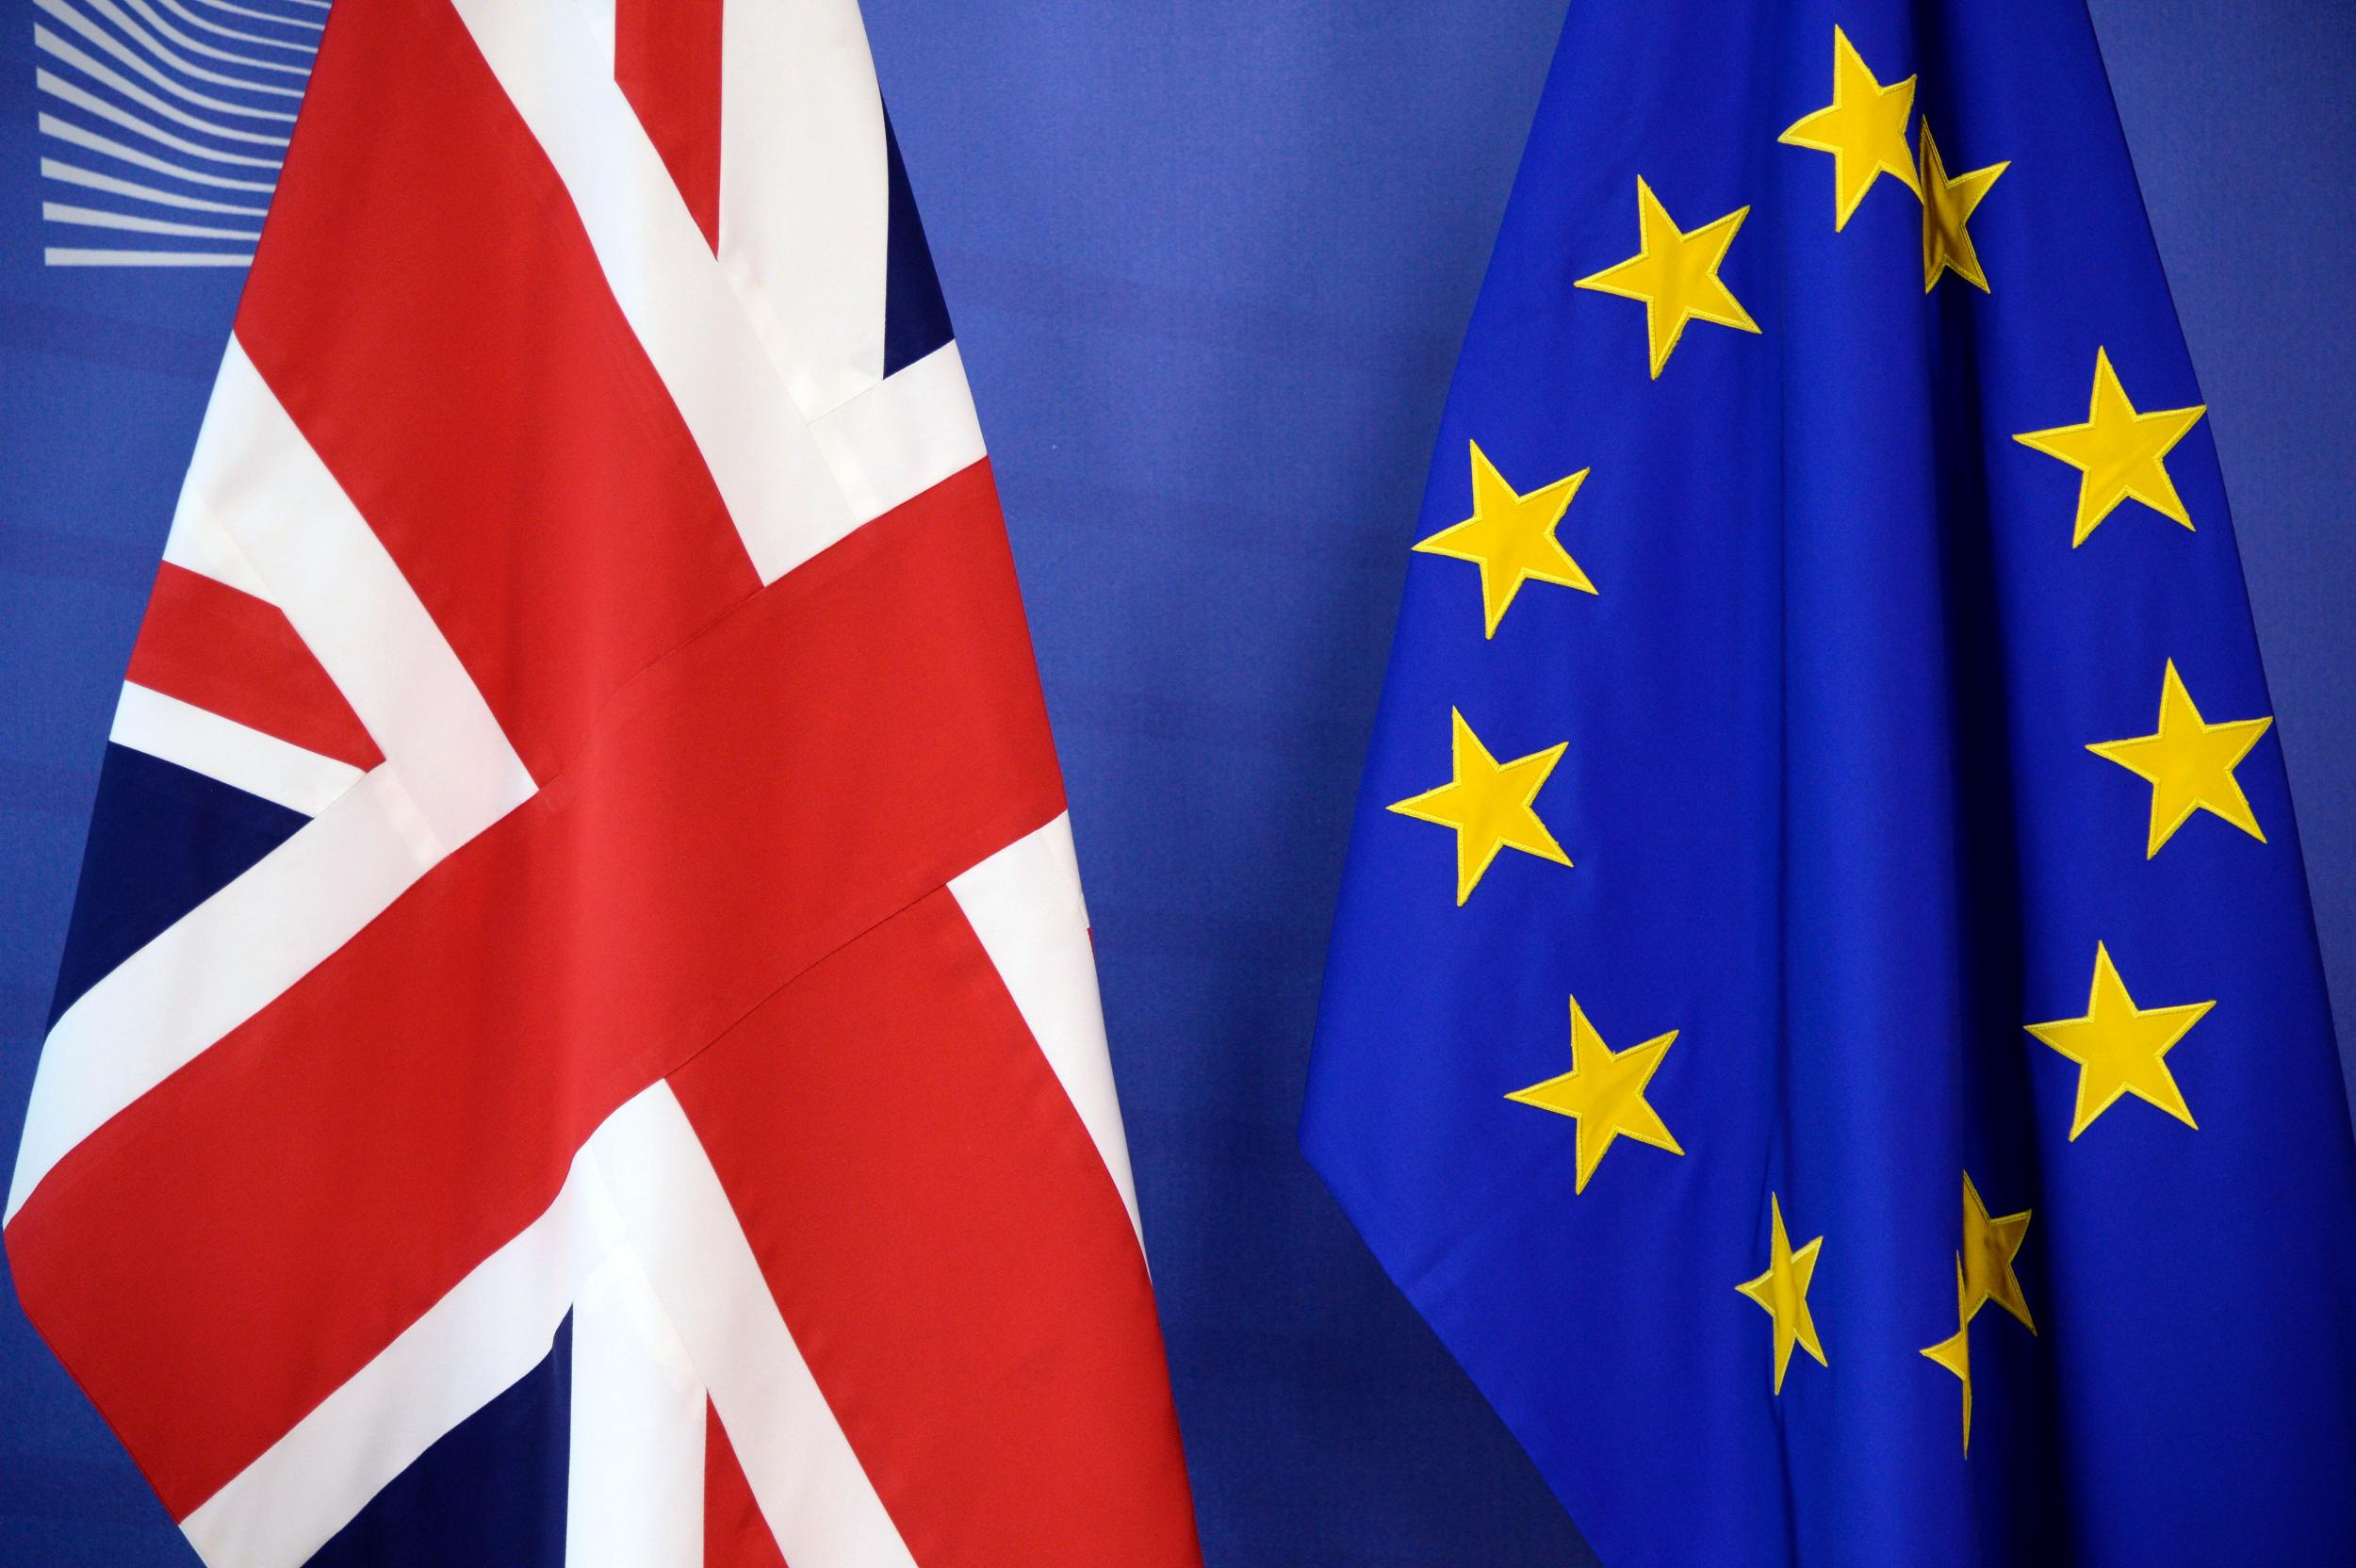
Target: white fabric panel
{"x":200,"y":545}
{"x":449,"y":774}
{"x":635,"y":1490}
{"x":256,"y":477}
{"x":237,"y":754}
{"x":598,"y":16}
{"x":812,"y":1491}
{"x":902,"y":436}
{"x":1025,"y":906}
{"x":472,"y":1345}
{"x":557,"y":67}
{"x":804,"y":191}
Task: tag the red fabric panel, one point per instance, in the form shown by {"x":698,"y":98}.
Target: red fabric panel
{"x":666,"y":58}
{"x":951,"y":1255}
{"x":735,"y":1534}
{"x":222,"y":649}
{"x":427,"y":306}
{"x":229,"y":1250}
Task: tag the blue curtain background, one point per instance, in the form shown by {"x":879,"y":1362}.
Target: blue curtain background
{"x":1209,"y":264}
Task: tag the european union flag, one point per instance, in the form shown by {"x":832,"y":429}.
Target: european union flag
{"x":1823,"y":1017}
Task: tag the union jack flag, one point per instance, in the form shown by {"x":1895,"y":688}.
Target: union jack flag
{"x":577,"y":1042}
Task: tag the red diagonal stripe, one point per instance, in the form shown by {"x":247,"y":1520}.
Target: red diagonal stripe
{"x":666,"y":59}
{"x":229,"y":1250}
{"x":951,"y":1255}
{"x":222,"y":649}
{"x":735,"y":1534}
{"x":428,"y":307}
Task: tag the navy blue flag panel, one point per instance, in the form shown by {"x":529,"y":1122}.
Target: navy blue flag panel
{"x":1823,"y":1017}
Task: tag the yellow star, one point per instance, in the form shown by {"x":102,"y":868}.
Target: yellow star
{"x":1605,"y":1092}
{"x":1488,"y":805}
{"x":1512,"y":537}
{"x":1954,"y":1351}
{"x":1783,"y":1291}
{"x":1947,"y":205}
{"x":2118,"y":1047}
{"x":1989,"y":1248}
{"x":1864,"y":128}
{"x":1675,"y":274}
{"x":2119,"y":452}
{"x":2189,"y":762}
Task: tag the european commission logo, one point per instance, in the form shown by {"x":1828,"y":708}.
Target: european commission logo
{"x":164,"y":122}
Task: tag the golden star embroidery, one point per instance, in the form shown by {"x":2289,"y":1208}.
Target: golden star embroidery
{"x":1511,"y":537}
{"x":1989,"y":1247}
{"x":2120,"y":452}
{"x":1675,"y":274}
{"x":1954,"y":1351}
{"x":1783,"y":1292}
{"x":2189,"y":763}
{"x":1604,"y":1092}
{"x":1488,"y":803}
{"x":2118,"y":1047}
{"x":1864,"y":128}
{"x":1947,"y":207}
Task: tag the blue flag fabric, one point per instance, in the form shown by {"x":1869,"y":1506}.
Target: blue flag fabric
{"x":1823,"y":1017}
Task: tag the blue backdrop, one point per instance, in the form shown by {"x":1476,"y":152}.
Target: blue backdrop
{"x":1209,"y":265}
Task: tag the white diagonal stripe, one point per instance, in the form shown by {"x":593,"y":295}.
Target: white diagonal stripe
{"x":812,"y":1491}
{"x":634,"y":1493}
{"x":198,"y":544}
{"x":492,"y":1328}
{"x":904,"y":434}
{"x":219,"y":964}
{"x":642,"y":1248}
{"x":762,"y":457}
{"x":804,"y":191}
{"x":237,"y":754}
{"x":449,"y":774}
{"x":256,"y":477}
{"x":1024,"y":905}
